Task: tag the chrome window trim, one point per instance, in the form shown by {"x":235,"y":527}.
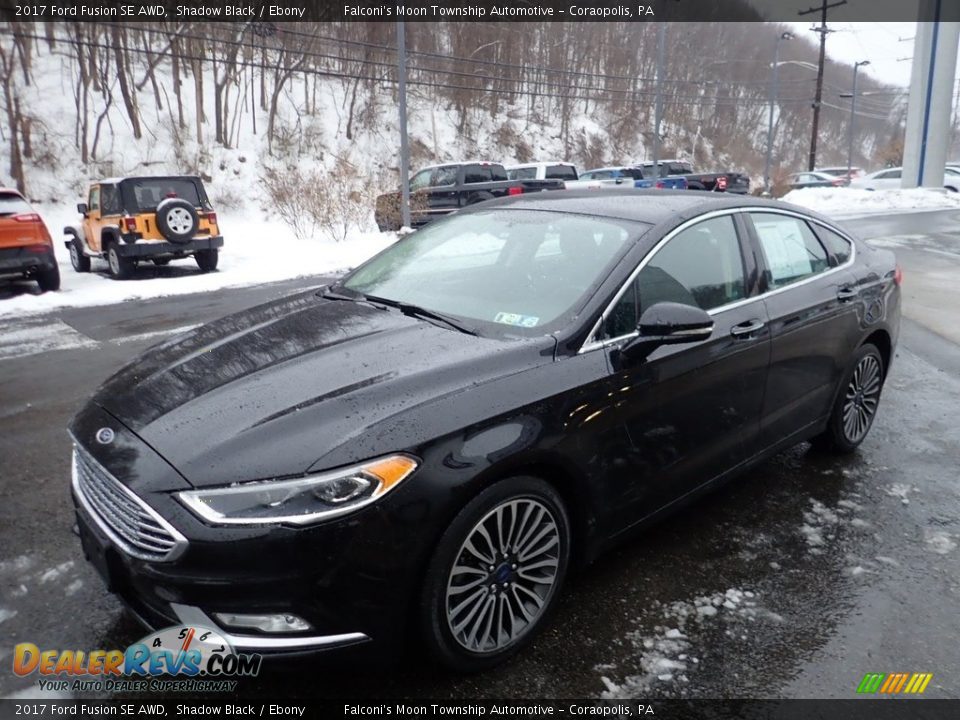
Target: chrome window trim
{"x":180,"y":542}
{"x":592,"y":343}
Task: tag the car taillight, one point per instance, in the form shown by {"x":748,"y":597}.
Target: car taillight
{"x":721,"y":183}
{"x":898,"y":276}
{"x":660,"y":186}
{"x":212,"y":217}
{"x":515,"y":191}
{"x":130,"y":223}
{"x":27,"y":217}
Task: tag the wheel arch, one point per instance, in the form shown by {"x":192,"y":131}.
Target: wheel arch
{"x":881,"y":340}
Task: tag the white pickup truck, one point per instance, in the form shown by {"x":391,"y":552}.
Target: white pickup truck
{"x":551,"y":171}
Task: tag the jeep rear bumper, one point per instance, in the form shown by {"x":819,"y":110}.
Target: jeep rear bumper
{"x":152,"y":249}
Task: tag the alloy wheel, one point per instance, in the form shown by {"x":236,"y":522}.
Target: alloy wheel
{"x":503,"y":575}
{"x":862,"y":398}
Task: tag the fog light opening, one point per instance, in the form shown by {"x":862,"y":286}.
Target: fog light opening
{"x":279,"y":623}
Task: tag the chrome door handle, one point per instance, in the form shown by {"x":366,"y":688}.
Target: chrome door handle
{"x":748,"y":328}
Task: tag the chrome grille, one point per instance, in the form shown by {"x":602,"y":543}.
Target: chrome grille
{"x":128,"y":520}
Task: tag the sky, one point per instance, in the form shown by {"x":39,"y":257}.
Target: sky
{"x":883,"y":44}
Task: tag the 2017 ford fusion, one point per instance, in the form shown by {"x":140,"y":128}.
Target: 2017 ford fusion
{"x":426,"y":447}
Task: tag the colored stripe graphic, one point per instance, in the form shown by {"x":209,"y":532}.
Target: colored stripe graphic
{"x":894,"y":683}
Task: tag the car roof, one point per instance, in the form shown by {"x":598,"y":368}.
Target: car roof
{"x":646,"y":206}
{"x":12,"y":191}
{"x":115,"y":180}
{"x":548,"y":163}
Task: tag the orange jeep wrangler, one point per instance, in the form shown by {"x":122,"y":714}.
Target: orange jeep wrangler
{"x":135,"y":219}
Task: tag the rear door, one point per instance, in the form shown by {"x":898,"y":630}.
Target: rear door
{"x":91,"y":223}
{"x":444,"y":195}
{"x":810,"y":301}
{"x":691,"y":411}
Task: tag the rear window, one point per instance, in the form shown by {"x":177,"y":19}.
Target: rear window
{"x":561,"y":172}
{"x":524,"y":173}
{"x":146,"y":194}
{"x":476,"y":174}
{"x":11,"y":204}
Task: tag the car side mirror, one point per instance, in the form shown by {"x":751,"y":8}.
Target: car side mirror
{"x":668,"y":323}
{"x":82,"y":209}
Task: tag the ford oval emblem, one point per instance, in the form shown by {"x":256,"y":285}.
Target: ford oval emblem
{"x":105,"y":436}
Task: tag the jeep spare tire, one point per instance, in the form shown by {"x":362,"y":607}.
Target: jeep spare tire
{"x":177,"y":220}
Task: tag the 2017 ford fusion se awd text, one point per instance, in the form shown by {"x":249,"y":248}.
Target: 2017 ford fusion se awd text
{"x":424,"y":449}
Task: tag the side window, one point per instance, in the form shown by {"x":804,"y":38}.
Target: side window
{"x":791,"y":249}
{"x":420,"y":180}
{"x":701,"y":266}
{"x":110,"y":199}
{"x":602,"y":175}
{"x":497,"y":173}
{"x":445,"y":176}
{"x":837,"y":245}
{"x":94,"y":201}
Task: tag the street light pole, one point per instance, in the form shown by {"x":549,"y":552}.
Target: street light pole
{"x":774,"y":91}
{"x":853,"y":116}
{"x":658,"y":106}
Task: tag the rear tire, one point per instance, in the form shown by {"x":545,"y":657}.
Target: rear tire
{"x":120,"y":267}
{"x":207,"y":260}
{"x":80,"y":262}
{"x":486,"y":594}
{"x":49,"y":279}
{"x":856,"y":405}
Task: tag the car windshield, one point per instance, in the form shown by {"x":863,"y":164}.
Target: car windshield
{"x":522,"y":270}
{"x":150,"y":192}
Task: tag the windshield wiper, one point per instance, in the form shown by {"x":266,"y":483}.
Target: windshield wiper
{"x":423,"y":313}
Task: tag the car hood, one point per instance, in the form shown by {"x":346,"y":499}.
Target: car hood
{"x":303,"y":382}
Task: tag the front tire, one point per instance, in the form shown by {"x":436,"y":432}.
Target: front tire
{"x":496,"y":574}
{"x":856,"y":404}
{"x":120,"y":267}
{"x":80,"y":262}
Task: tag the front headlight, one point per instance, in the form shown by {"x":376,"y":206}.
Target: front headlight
{"x":303,"y":500}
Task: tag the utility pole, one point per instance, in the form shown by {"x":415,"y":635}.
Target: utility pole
{"x":823,"y":30}
{"x":404,"y":149}
{"x":658,"y":109}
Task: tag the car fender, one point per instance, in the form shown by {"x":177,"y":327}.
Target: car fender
{"x":76,"y":231}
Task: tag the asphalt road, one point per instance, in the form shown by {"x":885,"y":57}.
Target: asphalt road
{"x":793,"y":581}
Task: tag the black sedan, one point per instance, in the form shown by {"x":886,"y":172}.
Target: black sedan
{"x":424,"y":449}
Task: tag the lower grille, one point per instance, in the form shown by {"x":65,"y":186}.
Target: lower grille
{"x":132,"y":524}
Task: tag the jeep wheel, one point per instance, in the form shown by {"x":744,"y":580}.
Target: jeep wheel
{"x":80,"y":262}
{"x":49,"y":279}
{"x":120,"y":267}
{"x":177,"y":220}
{"x":207,"y":259}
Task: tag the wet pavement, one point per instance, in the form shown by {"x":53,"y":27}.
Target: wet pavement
{"x":791,"y":581}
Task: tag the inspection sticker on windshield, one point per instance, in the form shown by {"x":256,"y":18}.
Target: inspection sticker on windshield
{"x":517,"y":320}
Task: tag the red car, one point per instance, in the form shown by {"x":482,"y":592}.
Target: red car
{"x":26,"y":249}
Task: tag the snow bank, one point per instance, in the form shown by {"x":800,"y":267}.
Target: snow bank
{"x":256,"y":250}
{"x":853,"y":201}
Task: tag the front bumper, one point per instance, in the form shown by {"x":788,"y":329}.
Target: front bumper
{"x":18,"y":260}
{"x":152,"y":249}
{"x":354,"y":579}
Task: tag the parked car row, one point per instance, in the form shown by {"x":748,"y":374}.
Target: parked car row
{"x":439,"y":190}
{"x":125,"y":221}
{"x":887,"y":178}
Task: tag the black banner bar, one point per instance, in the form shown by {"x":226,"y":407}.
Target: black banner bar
{"x":858,"y":709}
{"x":278,"y":11}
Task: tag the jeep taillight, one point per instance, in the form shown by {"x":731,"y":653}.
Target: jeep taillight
{"x":212,"y":217}
{"x":27,"y":217}
{"x":130,"y":223}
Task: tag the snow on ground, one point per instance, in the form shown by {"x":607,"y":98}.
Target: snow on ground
{"x":853,"y":201}
{"x":256,"y":250}
{"x":670,"y":654}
